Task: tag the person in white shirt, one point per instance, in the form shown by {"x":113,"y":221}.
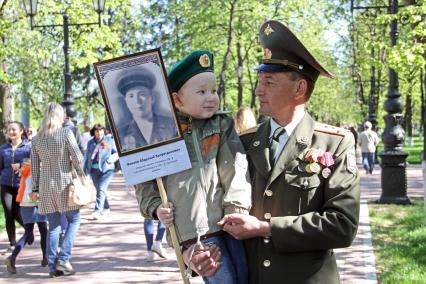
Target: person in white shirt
{"x":368,"y":141}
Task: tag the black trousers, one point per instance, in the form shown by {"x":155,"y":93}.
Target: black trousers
{"x":11,"y":211}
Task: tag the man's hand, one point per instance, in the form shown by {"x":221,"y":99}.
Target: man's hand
{"x":242,"y":226}
{"x":205,"y":259}
{"x":165,"y":215}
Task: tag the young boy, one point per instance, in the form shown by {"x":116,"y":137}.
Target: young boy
{"x":218,"y":182}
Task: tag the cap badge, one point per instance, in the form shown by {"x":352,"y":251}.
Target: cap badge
{"x":267,"y":53}
{"x":204,"y":61}
{"x":268,"y":30}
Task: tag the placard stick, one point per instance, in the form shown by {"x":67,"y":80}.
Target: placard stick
{"x":173,"y":234}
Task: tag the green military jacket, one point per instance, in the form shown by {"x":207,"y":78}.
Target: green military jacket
{"x":218,"y":182}
{"x":310,"y":213}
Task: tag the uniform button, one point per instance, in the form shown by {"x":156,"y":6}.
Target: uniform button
{"x":266,"y":240}
{"x":266,"y":263}
{"x":267,"y":216}
{"x":268,"y":192}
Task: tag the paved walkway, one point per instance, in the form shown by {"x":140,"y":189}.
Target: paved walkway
{"x":113,"y":250}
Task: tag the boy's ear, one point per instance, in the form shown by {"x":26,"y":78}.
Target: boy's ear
{"x":176,"y":99}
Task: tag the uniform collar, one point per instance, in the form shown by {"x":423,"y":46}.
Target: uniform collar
{"x":289,"y":128}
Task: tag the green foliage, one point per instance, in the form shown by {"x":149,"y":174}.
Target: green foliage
{"x":399,"y":240}
{"x":371,"y":45}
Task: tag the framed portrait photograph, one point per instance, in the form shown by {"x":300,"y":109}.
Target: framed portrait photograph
{"x":137,"y":100}
{"x":142,"y":116}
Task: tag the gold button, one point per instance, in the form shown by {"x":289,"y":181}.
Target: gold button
{"x":267,"y":216}
{"x":266,"y":263}
{"x":266,"y":240}
{"x":268,"y":192}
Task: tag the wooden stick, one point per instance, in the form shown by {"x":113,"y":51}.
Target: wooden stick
{"x":173,"y":233}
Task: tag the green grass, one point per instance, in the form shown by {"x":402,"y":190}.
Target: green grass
{"x":413,"y":151}
{"x":399,"y":240}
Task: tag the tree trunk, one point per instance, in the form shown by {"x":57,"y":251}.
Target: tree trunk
{"x":7,"y":109}
{"x":221,"y":90}
{"x":409,"y":116}
{"x":239,"y":76}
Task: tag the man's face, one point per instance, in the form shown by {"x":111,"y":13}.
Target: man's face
{"x":198,"y":97}
{"x":139,"y":101}
{"x":276,"y":93}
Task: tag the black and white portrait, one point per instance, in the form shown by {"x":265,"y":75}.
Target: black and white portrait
{"x":138,"y":103}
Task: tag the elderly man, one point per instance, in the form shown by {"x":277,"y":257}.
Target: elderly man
{"x":147,"y":126}
{"x":303,"y":174}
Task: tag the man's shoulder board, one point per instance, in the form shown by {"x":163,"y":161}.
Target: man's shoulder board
{"x":329,"y":129}
{"x":250,"y":130}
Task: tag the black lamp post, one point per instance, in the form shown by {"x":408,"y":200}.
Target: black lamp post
{"x":31,"y":10}
{"x":394,"y":175}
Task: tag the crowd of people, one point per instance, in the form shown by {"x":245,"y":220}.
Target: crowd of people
{"x":262,"y":203}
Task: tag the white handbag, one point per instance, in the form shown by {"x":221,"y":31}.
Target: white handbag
{"x":82,"y":191}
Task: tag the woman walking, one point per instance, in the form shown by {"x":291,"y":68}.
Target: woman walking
{"x":54,"y":154}
{"x":30,"y":216}
{"x":12,"y":154}
{"x":99,"y":160}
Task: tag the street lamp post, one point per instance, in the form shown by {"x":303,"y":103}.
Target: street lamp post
{"x":394,"y":175}
{"x":31,"y":10}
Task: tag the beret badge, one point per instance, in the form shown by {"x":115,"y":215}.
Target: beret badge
{"x":204,"y":61}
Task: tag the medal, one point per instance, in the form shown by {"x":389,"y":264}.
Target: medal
{"x":327,"y":159}
{"x":315,"y":167}
{"x":326,"y":172}
{"x":308,"y":168}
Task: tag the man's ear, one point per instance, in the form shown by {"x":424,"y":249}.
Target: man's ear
{"x":302,"y":88}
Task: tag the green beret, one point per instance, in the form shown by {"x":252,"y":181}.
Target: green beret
{"x":141,"y":77}
{"x":284,"y":51}
{"x":196,"y":62}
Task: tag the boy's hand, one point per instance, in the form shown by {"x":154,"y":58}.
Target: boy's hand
{"x":205,"y":260}
{"x":165,"y":215}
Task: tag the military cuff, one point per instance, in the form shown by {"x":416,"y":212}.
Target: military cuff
{"x":235,"y":209}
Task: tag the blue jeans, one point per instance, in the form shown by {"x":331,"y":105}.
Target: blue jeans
{"x":148,"y":228}
{"x":368,"y":161}
{"x":101,"y":181}
{"x":233,"y":262}
{"x":73,"y":218}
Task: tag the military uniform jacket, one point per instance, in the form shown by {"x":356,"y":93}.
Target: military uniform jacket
{"x":309,"y":214}
{"x":164,"y":129}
